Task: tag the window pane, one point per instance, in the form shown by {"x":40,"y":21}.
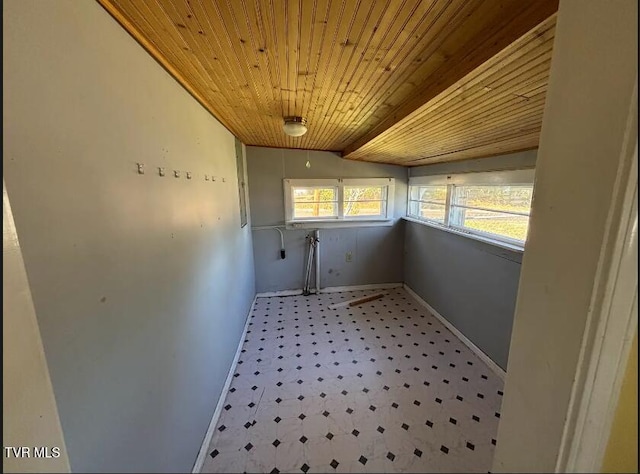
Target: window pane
{"x":364,"y":208}
{"x":314,"y":194}
{"x":500,"y":198}
{"x":429,"y":193}
{"x":497,"y":223}
{"x":314,"y":209}
{"x":365,"y":201}
{"x":361,"y":193}
{"x":425,"y":210}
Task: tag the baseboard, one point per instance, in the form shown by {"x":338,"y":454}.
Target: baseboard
{"x":475,"y":349}
{"x":197,"y":467}
{"x":374,"y":286}
{"x":332,"y":289}
{"x":269,"y":294}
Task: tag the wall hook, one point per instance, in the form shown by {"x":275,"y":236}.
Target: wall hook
{"x":161,"y":171}
{"x":188,"y":174}
{"x":176,"y":173}
{"x":140,"y":168}
{"x":206,"y":177}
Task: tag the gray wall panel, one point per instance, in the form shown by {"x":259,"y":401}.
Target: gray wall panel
{"x":141,"y":283}
{"x":472,"y":284}
{"x":376,"y":251}
{"x":467,"y":282}
{"x":511,"y":161}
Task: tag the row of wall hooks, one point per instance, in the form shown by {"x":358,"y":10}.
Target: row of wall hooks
{"x":178,"y":173}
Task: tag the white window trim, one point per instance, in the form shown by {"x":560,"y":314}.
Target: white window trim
{"x":340,"y":220}
{"x":512,"y":177}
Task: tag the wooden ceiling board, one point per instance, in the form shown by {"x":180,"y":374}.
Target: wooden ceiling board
{"x":386,"y":64}
{"x":468,"y":92}
{"x":487,"y":30}
{"x":355,"y":69}
{"x":501,"y":100}
{"x":417,"y":139}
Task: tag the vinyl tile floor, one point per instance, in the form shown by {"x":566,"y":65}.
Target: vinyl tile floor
{"x":379,"y":387}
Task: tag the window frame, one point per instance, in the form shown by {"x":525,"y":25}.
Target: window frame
{"x":340,"y":220}
{"x":445,"y":205}
{"x":522,"y":177}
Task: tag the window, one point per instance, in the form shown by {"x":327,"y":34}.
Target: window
{"x":493,"y":205}
{"x":428,"y":202}
{"x":338,"y":200}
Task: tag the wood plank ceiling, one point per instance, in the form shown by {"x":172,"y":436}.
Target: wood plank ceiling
{"x":398,"y":81}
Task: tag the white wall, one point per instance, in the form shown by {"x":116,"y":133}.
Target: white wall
{"x":30,"y":415}
{"x":578,"y":171}
{"x":141,"y":284}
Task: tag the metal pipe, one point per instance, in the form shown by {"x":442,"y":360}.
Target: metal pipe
{"x":305,"y":286}
{"x":273,"y":227}
{"x":317,"y":252}
{"x":282,"y":253}
{"x":307,"y":279}
{"x":307,"y":276}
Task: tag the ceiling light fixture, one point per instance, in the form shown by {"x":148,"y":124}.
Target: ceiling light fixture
{"x":295,"y":126}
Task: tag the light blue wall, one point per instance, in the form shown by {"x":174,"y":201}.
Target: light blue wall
{"x":376,"y":251}
{"x":141,"y":283}
{"x":510,"y":161}
{"x":472,"y":284}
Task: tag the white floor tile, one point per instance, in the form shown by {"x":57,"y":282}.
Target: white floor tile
{"x":381,"y":387}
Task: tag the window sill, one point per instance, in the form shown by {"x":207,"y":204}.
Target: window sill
{"x":495,"y":243}
{"x":338,"y":224}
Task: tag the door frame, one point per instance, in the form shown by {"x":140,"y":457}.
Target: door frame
{"x":612,"y":324}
